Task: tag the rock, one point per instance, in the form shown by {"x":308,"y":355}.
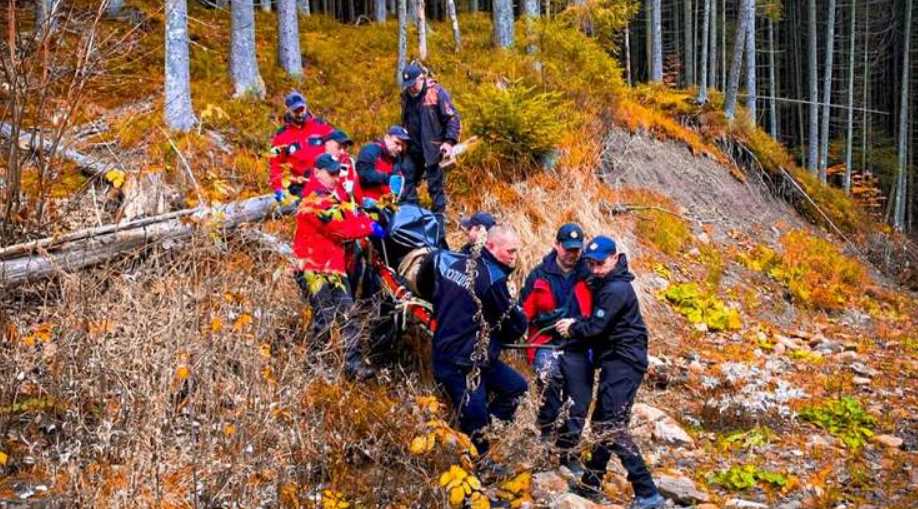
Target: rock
{"x":860,"y":380}
{"x":696,"y":367}
{"x":547,"y":485}
{"x":848,"y":356}
{"x":738,"y":503}
{"x":891,"y":441}
{"x":788,"y":342}
{"x":662,"y":427}
{"x":820,"y":441}
{"x":694,"y":252}
{"x":680,"y":489}
{"x":864,"y":370}
{"x":793,"y":504}
{"x":707,"y":506}
{"x":571,"y":501}
{"x":779,"y":349}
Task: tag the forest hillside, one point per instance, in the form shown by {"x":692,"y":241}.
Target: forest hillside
{"x":179,"y":372}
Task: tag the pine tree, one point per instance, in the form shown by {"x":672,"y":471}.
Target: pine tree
{"x":751,"y":86}
{"x":736,"y":64}
{"x":849,"y":141}
{"x":656,"y":65}
{"x":379,"y":12}
{"x":177,"y":101}
{"x":705,"y":35}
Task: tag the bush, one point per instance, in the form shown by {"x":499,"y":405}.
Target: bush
{"x":517,"y":123}
{"x":844,"y":418}
{"x":745,"y":477}
{"x":691,"y":303}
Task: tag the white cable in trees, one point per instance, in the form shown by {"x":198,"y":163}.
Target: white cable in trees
{"x":827,"y":93}
{"x":288,"y":38}
{"x":177,"y":108}
{"x":902,"y":151}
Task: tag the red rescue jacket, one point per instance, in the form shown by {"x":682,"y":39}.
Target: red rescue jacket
{"x":542,"y":296}
{"x":295,"y":148}
{"x":325,"y":221}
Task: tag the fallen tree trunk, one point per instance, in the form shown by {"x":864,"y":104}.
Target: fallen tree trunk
{"x":115,"y":240}
{"x":29,"y":139}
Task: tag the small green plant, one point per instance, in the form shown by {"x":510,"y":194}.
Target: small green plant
{"x":807,"y":356}
{"x":690,"y":302}
{"x":755,"y":437}
{"x":844,"y":418}
{"x":746,"y":476}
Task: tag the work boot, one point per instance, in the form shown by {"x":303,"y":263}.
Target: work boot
{"x":359,"y":372}
{"x":654,"y":501}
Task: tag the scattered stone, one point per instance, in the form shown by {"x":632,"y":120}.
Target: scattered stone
{"x":793,"y":504}
{"x":820,"y":441}
{"x":707,"y":506}
{"x":696,"y":367}
{"x":738,"y":503}
{"x":864,"y":370}
{"x":547,"y":485}
{"x":680,"y":489}
{"x":701,"y":327}
{"x":891,"y":441}
{"x":571,"y":501}
{"x":694,"y":252}
{"x":860,"y":380}
{"x":779,"y":349}
{"x":657,"y":282}
{"x":662,"y":427}
{"x":848,"y":356}
{"x":788,"y":342}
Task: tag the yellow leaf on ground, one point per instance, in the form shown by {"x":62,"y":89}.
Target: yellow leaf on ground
{"x":115,"y":177}
{"x":242,"y":322}
{"x":182,"y":373}
{"x":216,"y":325}
{"x":3,"y":458}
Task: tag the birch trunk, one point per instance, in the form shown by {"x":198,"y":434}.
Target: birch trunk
{"x":736,"y":64}
{"x":288,"y":38}
{"x":827,"y":94}
{"x":648,"y":38}
{"x":177,"y":89}
{"x":705,"y":33}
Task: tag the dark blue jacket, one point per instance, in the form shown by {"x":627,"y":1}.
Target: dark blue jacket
{"x":561,"y":284}
{"x":616,"y":328}
{"x":430,"y":119}
{"x":454,"y":309}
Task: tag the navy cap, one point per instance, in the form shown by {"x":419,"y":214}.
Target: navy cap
{"x":399,"y":132}
{"x":328,"y":163}
{"x":570,"y":236}
{"x":295,"y":100}
{"x":410,"y":73}
{"x":478,"y":219}
{"x":340,"y":136}
{"x":600,"y":248}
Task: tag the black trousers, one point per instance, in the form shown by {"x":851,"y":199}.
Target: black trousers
{"x":564,"y":377}
{"x":332,"y":307}
{"x":415,"y":169}
{"x":618,"y":385}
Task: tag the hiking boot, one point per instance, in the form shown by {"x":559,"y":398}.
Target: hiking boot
{"x":654,"y":501}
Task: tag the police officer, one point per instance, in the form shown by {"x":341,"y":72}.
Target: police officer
{"x":556,"y":289}
{"x":434,"y":126}
{"x":295,"y":146}
{"x":617,"y":334}
{"x":325,"y":221}
{"x":445,"y":276}
{"x":380,"y":159}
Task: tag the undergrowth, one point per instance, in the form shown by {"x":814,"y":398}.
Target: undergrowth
{"x":844,"y":418}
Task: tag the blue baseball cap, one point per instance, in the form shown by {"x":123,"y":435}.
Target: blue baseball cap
{"x":570,"y":236}
{"x":410,"y":73}
{"x":399,"y":132}
{"x":328,"y":163}
{"x":478,"y":219}
{"x":600,"y":248}
{"x":295,"y":101}
{"x":340,"y":136}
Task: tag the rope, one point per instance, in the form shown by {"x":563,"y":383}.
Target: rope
{"x":483,"y":334}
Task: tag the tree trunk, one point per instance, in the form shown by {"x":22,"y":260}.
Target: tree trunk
{"x":705,"y":33}
{"x":101,"y":247}
{"x":712,"y":37}
{"x":849,"y":145}
{"x":751,"y":85}
{"x":265,"y":5}
{"x":827,"y":93}
{"x":689,"y":43}
{"x":288,"y":38}
{"x":303,"y":7}
{"x":648,"y":38}
{"x":413,"y":11}
{"x":656,"y":73}
{"x":812,"y":155}
{"x":243,"y":62}
{"x":628,"y":55}
{"x":772,"y":86}
{"x":902,"y":150}
{"x":473,"y":5}
{"x":402,"y":60}
{"x":422,"y":29}
{"x":177,"y":101}
{"x":865,"y":121}
{"x":723,"y":45}
{"x":454,"y":22}
{"x":45,"y":12}
{"x":502,"y":14}
{"x":736,"y":65}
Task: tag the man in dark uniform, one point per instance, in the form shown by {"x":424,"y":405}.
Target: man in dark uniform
{"x":434,"y":126}
{"x":475,"y":227}
{"x":618,"y":337}
{"x":445,"y":276}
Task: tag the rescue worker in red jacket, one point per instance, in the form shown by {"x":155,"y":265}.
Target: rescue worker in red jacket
{"x":325,"y":221}
{"x":296,"y":146}
{"x":379,"y":160}
{"x":556,"y":289}
{"x":338,"y":144}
